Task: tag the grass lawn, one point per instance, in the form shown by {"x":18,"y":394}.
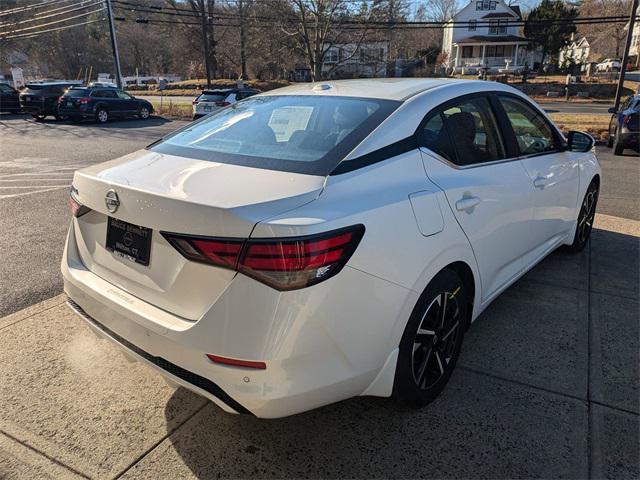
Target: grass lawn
{"x":595,"y":124}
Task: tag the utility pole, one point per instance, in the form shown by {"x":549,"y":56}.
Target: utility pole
{"x":205,"y":41}
{"x":625,"y":56}
{"x":114,"y":44}
{"x":243,"y":39}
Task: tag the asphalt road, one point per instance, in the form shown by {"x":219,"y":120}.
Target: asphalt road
{"x":37,"y":161}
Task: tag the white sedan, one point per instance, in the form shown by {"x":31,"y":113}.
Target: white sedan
{"x":324,"y":241}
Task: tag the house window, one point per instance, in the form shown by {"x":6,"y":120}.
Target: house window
{"x":497,"y":28}
{"x":495,"y":51}
{"x":333,"y":56}
{"x":485,"y":5}
{"x":467,"y":52}
{"x":472,"y":25}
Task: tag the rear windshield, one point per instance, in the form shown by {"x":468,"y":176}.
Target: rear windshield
{"x":213,"y":97}
{"x":57,"y":89}
{"x":303,"y":134}
{"x":77,"y":92}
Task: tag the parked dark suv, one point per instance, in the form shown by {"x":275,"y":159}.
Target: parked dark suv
{"x":102,"y":104}
{"x":624,"y":126}
{"x":9,"y":99}
{"x":41,"y":99}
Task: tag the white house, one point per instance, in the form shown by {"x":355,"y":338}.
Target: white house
{"x":634,"y":49}
{"x":485,"y":39}
{"x":577,"y":52}
{"x":349,"y":59}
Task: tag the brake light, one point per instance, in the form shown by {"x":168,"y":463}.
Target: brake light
{"x":193,"y":102}
{"x":626,"y":119}
{"x":222,"y":104}
{"x":84,"y":100}
{"x":77,"y":209}
{"x":284,"y":264}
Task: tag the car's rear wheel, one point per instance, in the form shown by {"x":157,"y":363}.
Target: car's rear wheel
{"x":102,"y":116}
{"x":144,"y":113}
{"x":585,"y":219}
{"x":610,"y":140}
{"x":432,"y":340}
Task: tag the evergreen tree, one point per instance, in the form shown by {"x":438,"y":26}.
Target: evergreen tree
{"x":550,"y":26}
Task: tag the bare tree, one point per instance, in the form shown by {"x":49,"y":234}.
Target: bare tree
{"x":319,"y":25}
{"x":606,"y":39}
{"x":440,"y":10}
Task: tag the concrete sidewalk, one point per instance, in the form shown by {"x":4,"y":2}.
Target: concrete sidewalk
{"x":548,"y":387}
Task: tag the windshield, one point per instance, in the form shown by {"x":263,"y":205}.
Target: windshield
{"x":303,"y":134}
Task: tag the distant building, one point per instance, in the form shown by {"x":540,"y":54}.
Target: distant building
{"x":576,"y":52}
{"x":487,"y":40}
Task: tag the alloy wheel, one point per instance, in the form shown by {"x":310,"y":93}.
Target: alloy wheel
{"x":587,"y":214}
{"x":144,"y":113}
{"x":435,"y":340}
{"x":103,"y":116}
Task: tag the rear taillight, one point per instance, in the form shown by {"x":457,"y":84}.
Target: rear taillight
{"x":84,"y":101}
{"x":284,"y":264}
{"x":222,"y":104}
{"x":194,"y":102}
{"x":77,"y":209}
{"x":626,"y":119}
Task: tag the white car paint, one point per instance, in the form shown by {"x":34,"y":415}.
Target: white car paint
{"x":338,"y":338}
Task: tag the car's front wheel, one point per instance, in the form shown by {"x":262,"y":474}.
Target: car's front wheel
{"x":144,"y":113}
{"x":102,"y":116}
{"x":432,"y":340}
{"x":586,"y":218}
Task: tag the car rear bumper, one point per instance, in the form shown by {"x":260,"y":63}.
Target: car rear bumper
{"x":319,"y":345}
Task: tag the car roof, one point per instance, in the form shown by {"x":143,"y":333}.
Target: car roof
{"x":382,"y":88}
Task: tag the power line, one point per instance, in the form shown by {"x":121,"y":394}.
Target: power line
{"x":65,"y":27}
{"x":27,"y":7}
{"x":86,"y":14}
{"x":46,"y":14}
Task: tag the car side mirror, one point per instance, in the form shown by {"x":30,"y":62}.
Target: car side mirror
{"x":580,"y":141}
{"x":611,"y":110}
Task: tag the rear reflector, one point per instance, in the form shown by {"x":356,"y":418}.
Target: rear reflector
{"x":282,"y":263}
{"x":237,"y":363}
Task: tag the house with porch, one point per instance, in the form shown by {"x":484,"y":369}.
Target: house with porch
{"x":481,"y":35}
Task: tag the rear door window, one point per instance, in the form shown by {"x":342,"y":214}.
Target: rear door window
{"x":464,"y":132}
{"x":77,"y":92}
{"x":212,"y":97}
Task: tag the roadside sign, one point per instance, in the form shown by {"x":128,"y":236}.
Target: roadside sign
{"x":18,"y":78}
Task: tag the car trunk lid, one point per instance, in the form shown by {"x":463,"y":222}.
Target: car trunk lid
{"x":167,"y":193}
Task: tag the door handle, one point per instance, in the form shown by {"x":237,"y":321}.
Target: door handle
{"x":467,"y":203}
{"x":541,"y":181}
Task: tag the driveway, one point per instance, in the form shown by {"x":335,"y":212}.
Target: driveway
{"x":547,"y":387}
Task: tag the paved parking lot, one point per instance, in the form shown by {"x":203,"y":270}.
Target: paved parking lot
{"x":548,"y":384}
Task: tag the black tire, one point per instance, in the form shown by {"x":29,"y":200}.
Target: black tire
{"x":618,"y":148}
{"x":431,"y":343}
{"x":102,"y":115}
{"x":585,"y":219}
{"x":610,"y":141}
{"x":144,"y":113}
{"x":39,"y":117}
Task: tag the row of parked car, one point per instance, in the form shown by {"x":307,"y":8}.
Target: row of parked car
{"x":62,"y":100}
